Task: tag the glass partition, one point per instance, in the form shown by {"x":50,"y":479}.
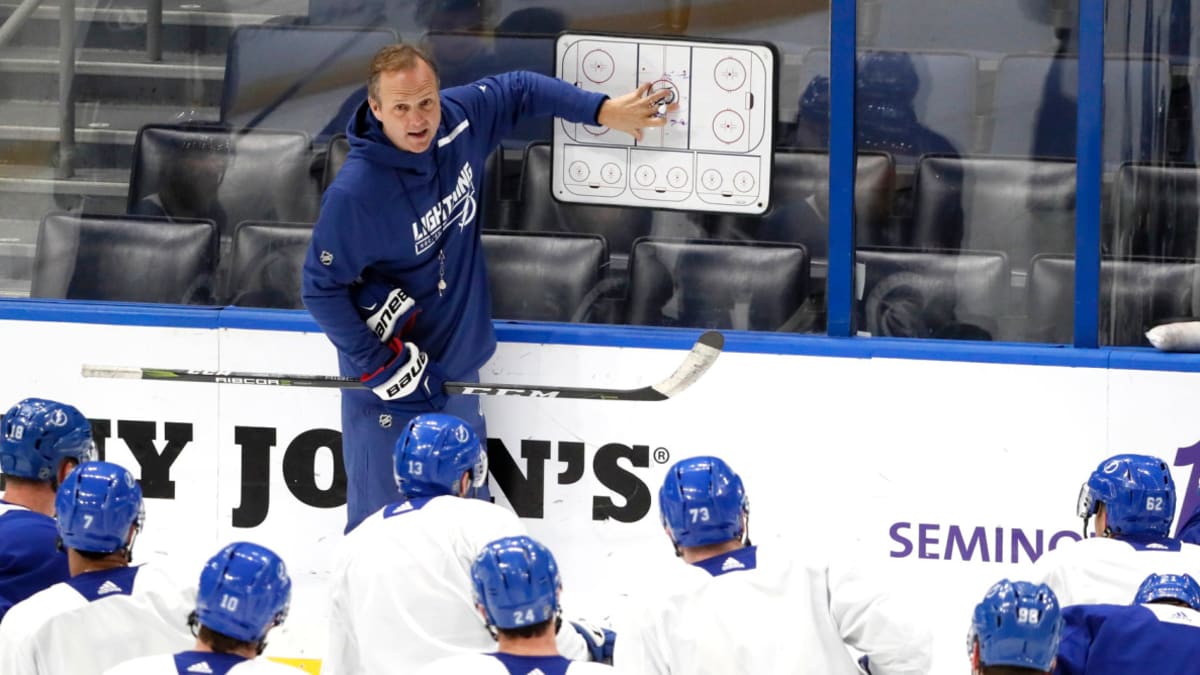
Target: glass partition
{"x":1148,"y":272}
{"x":238,"y":126}
{"x":231,"y":114}
{"x":974,"y":103}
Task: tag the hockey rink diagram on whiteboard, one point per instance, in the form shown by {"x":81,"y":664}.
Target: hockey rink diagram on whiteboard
{"x":713,"y":154}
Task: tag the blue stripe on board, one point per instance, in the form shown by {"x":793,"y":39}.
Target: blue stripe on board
{"x":1124,"y":358}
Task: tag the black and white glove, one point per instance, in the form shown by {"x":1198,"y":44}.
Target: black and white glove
{"x":388,"y":312}
{"x":600,"y":640}
{"x":410,"y":376}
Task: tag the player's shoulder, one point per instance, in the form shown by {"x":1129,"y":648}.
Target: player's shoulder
{"x":159,"y":664}
{"x":588,"y":667}
{"x":20,"y":521}
{"x":262,"y":666}
{"x":27,"y":617}
{"x":475,"y":664}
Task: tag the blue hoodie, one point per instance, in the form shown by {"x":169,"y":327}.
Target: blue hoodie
{"x":390,"y":216}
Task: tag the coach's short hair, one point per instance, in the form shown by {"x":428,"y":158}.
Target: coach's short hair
{"x":393,"y":58}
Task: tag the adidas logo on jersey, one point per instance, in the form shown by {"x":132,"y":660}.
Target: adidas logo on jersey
{"x":201,"y":667}
{"x":732,"y":564}
{"x":1156,"y":546}
{"x":108,"y":587}
{"x":535,"y":671}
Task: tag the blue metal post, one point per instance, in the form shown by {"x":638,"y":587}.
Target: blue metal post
{"x":843,"y":24}
{"x":1089,"y":144}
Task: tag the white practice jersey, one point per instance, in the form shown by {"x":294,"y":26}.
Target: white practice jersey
{"x":512,"y":664}
{"x":200,"y":663}
{"x":749,"y":611}
{"x":94,"y":621}
{"x":1103,"y":570}
{"x":401,"y":586}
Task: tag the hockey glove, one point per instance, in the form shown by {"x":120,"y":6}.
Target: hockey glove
{"x":600,"y":640}
{"x":411,"y":376}
{"x":388,"y":312}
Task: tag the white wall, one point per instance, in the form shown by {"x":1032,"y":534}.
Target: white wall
{"x":895,"y":462}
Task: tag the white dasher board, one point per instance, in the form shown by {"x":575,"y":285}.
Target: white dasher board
{"x":715,"y":152}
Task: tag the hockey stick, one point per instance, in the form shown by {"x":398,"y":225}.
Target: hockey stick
{"x":699,"y":359}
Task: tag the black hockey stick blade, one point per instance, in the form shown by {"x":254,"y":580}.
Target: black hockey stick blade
{"x":701,"y":357}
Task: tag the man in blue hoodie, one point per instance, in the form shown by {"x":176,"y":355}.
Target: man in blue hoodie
{"x":395,"y":274}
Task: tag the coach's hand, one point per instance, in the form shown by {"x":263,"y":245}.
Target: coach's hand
{"x":411,"y":376}
{"x":388,"y":312}
{"x":636,"y":110}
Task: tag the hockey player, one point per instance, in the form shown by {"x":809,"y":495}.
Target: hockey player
{"x":1159,"y":633}
{"x":108,"y":611}
{"x":723,"y":616}
{"x":41,"y":441}
{"x":399,"y":234}
{"x":244,"y":592}
{"x":1132,"y":498}
{"x":517,"y":588}
{"x":1015,"y":629}
{"x":401,"y":586}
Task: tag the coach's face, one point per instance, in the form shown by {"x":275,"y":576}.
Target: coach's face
{"x":408,"y":107}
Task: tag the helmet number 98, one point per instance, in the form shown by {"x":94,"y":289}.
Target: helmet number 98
{"x":1027,"y":615}
{"x":1154,"y":503}
{"x":699,"y":515}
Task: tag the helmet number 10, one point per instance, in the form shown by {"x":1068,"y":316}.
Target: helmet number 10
{"x":229,"y":603}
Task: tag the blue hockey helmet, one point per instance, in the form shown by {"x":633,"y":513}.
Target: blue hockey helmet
{"x":1016,"y":624}
{"x":244,"y":592}
{"x":432,"y":454}
{"x":38,"y":435}
{"x":1137,"y":492}
{"x":516,"y":581}
{"x":702,"y":502}
{"x":1181,"y":587}
{"x":97,"y":504}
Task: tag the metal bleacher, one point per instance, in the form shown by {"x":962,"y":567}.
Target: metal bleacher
{"x":118,"y":88}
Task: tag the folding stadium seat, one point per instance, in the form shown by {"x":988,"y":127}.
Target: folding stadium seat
{"x":302,"y":78}
{"x":1135,"y":295}
{"x":537,"y":276}
{"x":953,"y":295}
{"x":209,"y":172}
{"x":1157,"y":212}
{"x":620,"y":226}
{"x":909,"y":103}
{"x":1019,"y":206}
{"x":266,"y":264}
{"x":800,"y":203}
{"x":715,"y":284}
{"x":1034,"y":107}
{"x":124,"y":258}
{"x":335,"y":157}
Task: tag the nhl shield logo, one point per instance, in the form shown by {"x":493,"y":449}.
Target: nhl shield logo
{"x":385,"y":421}
{"x":326,"y":258}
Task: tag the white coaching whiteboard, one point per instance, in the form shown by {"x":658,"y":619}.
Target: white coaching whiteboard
{"x":715,"y":152}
